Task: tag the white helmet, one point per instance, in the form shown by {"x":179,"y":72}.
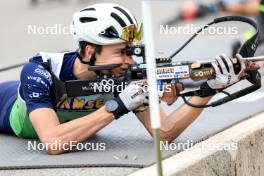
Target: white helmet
{"x":104,"y":24}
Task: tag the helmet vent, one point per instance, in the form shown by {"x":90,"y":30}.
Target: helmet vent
{"x":88,"y":9}
{"x":118,"y":19}
{"x":109,"y":33}
{"x":125,"y":13}
{"x":87,"y":19}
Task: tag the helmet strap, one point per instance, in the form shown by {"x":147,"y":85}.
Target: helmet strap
{"x":92,"y":60}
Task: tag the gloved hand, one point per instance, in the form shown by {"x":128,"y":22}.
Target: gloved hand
{"x":225,"y":74}
{"x":133,"y":96}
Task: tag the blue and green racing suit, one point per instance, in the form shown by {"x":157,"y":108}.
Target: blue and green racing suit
{"x":33,"y":91}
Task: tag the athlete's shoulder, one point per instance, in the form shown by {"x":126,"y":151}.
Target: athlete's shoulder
{"x":33,"y":73}
{"x":59,"y":62}
{"x":36,"y":84}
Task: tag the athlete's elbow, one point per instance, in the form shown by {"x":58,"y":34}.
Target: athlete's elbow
{"x":54,"y":152}
{"x":53,"y":146}
{"x":168,"y":135}
{"x":166,"y":138}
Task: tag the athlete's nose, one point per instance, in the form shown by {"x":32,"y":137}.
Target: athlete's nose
{"x":129,"y":60}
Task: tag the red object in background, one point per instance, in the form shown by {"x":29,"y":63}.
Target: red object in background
{"x":189,"y":10}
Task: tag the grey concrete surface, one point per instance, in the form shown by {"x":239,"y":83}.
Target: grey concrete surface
{"x":235,"y":151}
{"x":100,"y":171}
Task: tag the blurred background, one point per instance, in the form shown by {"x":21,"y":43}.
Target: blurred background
{"x":20,"y":17}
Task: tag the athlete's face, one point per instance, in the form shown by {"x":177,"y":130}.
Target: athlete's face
{"x":112,"y":54}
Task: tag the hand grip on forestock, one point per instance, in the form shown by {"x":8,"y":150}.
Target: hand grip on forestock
{"x":199,"y":72}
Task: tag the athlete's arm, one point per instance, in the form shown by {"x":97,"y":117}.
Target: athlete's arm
{"x":172,"y":125}
{"x":49,"y":129}
{"x":36,"y":84}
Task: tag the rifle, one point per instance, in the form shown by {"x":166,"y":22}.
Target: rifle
{"x":188,"y":73}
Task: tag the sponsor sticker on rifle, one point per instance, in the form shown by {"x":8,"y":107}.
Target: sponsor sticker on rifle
{"x":173,"y":72}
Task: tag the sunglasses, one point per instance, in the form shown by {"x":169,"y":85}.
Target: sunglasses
{"x":129,"y":33}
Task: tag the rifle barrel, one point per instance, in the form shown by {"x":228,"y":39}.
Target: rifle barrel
{"x":255,"y":59}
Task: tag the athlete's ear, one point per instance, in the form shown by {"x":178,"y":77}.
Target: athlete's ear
{"x":89,"y":50}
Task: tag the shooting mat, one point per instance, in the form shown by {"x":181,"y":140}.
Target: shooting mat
{"x":127,"y":143}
